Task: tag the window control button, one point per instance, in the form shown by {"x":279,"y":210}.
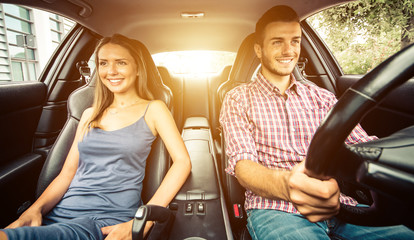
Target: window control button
{"x":200,"y":207}
{"x":189,"y":208}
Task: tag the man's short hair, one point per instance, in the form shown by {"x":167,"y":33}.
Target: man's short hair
{"x":280,"y":13}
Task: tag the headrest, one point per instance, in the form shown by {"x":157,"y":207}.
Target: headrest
{"x":165,"y":75}
{"x":244,"y":66}
{"x":155,"y":84}
{"x":246,"y":61}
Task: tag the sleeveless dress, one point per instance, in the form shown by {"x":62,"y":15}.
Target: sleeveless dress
{"x":106,"y":188}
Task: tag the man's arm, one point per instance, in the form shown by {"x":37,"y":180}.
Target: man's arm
{"x":315,"y":199}
{"x":262,"y":180}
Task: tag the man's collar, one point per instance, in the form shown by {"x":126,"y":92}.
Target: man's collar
{"x":268,"y":88}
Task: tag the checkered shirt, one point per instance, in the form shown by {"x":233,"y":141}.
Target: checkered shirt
{"x":261,"y":125}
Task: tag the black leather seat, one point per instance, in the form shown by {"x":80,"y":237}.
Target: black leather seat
{"x":158,"y":160}
{"x":176,"y":86}
{"x":214,"y":105}
{"x":245,"y":65}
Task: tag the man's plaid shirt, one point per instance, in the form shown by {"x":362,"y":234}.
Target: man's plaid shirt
{"x":261,"y":125}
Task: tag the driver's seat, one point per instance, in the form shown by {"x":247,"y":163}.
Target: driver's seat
{"x":245,"y":66}
{"x":82,"y":98}
{"x":242,"y":71}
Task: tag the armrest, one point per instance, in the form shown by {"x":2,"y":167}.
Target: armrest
{"x":196,"y":122}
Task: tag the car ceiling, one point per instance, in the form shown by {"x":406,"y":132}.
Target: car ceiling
{"x":159,"y":25}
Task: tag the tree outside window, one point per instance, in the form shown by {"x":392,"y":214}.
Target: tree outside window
{"x":364,"y":33}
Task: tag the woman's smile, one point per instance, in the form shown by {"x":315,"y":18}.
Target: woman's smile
{"x":117,"y":68}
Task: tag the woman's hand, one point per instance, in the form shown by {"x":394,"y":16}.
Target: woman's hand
{"x":122,"y":231}
{"x":31,"y":218}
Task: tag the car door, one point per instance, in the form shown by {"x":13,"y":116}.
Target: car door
{"x":20,"y":109}
{"x":337,"y":69}
{"x":32,"y":113}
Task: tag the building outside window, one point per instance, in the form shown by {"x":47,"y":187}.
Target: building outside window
{"x":59,"y":27}
{"x":28,"y":37}
{"x":55,"y":29}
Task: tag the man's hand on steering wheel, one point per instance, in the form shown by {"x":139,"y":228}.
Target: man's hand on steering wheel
{"x":315,"y":199}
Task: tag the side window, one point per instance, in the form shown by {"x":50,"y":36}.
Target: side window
{"x":362,"y":34}
{"x":28,"y":37}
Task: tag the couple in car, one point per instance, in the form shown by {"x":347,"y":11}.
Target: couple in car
{"x":267,"y":123}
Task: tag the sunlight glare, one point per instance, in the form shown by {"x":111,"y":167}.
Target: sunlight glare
{"x":192,"y":62}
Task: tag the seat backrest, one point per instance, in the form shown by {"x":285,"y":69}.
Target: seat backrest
{"x":176,"y":85}
{"x":244,"y":66}
{"x":214,"y":103}
{"x":82,"y":98}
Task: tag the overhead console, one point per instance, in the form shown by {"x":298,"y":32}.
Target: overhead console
{"x":199,"y":205}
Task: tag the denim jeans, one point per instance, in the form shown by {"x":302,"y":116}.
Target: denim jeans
{"x":273,"y":224}
{"x":87,"y":228}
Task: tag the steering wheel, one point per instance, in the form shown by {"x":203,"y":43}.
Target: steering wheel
{"x":384,"y":166}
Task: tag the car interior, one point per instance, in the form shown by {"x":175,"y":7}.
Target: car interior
{"x":38,"y":119}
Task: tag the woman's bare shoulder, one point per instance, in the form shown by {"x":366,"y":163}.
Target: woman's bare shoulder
{"x":87,"y":114}
{"x":157,"y":111}
{"x":157,"y":108}
{"x":158,"y":105}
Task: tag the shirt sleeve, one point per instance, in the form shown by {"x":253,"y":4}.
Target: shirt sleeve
{"x":358,"y":134}
{"x":237,"y":130}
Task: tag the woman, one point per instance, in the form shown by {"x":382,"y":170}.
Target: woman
{"x":99,"y":187}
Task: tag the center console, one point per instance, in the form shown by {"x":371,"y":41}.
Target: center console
{"x":199,"y":207}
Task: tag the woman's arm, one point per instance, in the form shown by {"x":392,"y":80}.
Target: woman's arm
{"x":57,"y":188}
{"x":180,"y":169}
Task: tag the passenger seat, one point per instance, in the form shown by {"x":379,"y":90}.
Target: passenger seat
{"x":215,"y":105}
{"x":176,"y":86}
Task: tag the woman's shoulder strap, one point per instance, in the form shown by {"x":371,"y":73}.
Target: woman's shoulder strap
{"x":146,"y":109}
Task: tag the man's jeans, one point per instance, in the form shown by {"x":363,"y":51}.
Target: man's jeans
{"x":273,"y":224}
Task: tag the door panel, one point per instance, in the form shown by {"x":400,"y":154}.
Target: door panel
{"x":31,"y":117}
{"x":20,"y":109}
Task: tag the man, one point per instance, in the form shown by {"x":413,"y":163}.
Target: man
{"x":268,"y":125}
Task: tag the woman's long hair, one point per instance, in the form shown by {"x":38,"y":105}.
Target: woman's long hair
{"x":103,"y":96}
